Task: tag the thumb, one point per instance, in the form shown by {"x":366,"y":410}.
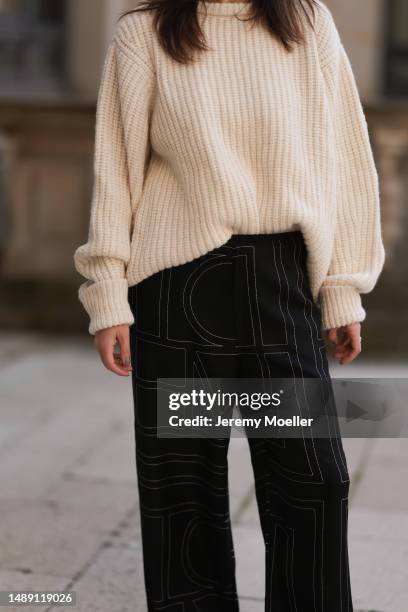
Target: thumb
{"x":332,"y":335}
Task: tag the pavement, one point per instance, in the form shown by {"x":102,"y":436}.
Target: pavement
{"x":68,"y":496}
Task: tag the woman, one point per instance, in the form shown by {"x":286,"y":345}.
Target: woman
{"x":235,"y":218}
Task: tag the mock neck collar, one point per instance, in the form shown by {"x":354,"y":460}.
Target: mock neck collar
{"x":223,"y":8}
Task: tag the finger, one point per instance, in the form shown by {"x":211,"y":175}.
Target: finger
{"x":341,"y":340}
{"x":354,"y":347}
{"x":338,"y":354}
{"x":344,"y":340}
{"x":107,"y":355}
{"x":124,"y":344}
{"x":332,"y":335}
{"x":355,"y":337}
{"x":350,"y":356}
{"x":343,"y":352}
{"x":344,"y":345}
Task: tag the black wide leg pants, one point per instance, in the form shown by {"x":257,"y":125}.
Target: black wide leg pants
{"x":242,"y":310}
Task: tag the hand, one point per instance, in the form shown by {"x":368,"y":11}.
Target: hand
{"x":105,"y":342}
{"x":347,"y":340}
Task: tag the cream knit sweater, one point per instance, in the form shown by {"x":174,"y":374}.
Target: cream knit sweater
{"x":249,"y":139}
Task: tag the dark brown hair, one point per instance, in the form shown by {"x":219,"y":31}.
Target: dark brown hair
{"x":179,"y":32}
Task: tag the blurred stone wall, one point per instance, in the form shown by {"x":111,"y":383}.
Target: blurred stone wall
{"x":361,"y":29}
{"x":44,"y":205}
{"x":386,"y":306}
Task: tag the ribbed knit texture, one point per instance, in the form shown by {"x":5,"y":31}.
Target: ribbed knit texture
{"x":248,"y":139}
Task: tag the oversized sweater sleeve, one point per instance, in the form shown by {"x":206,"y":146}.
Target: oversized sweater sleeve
{"x":358,"y":252}
{"x":126,"y":81}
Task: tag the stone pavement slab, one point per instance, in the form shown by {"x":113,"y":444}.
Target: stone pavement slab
{"x":379,"y":559}
{"x":384,"y":485}
{"x":113,"y":581}
{"x":45,"y":537}
{"x":240,"y":476}
{"x":23,"y":581}
{"x":42,"y":457}
{"x":112,"y":461}
{"x":250,"y":561}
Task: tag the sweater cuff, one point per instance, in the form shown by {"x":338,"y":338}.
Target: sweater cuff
{"x":106,"y":303}
{"x":340,"y":305}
